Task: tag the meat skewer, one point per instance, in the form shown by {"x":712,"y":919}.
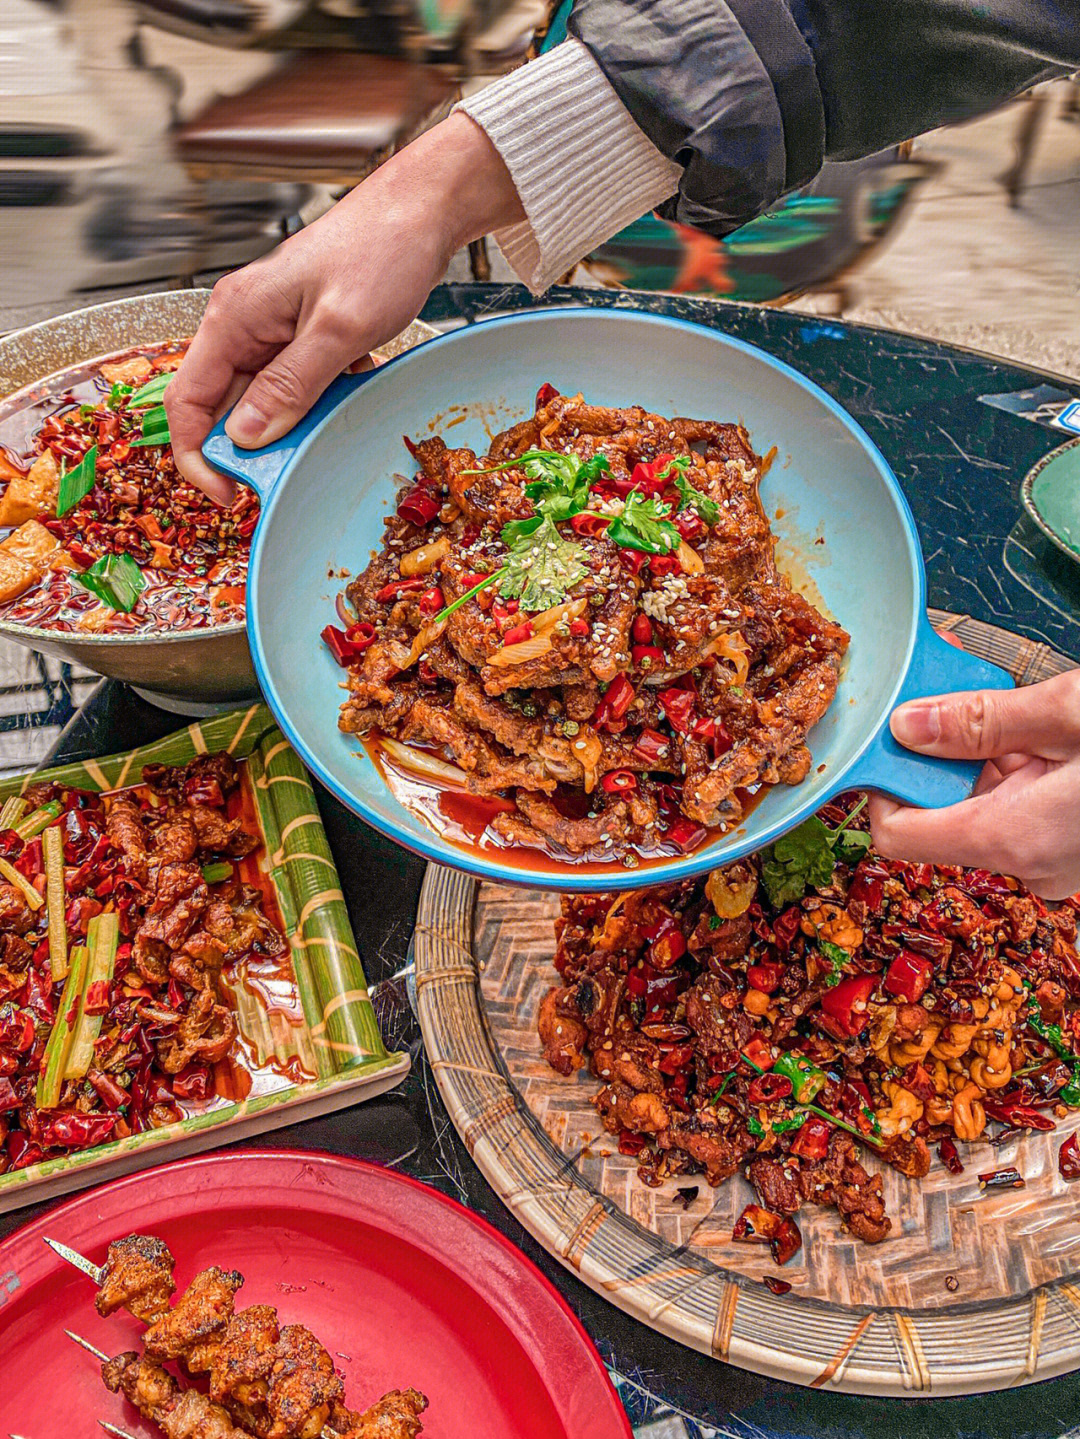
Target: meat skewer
{"x":275,"y":1383}
{"x":179,"y":1413}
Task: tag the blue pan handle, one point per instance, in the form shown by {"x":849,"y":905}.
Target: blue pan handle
{"x":261,"y":469}
{"x":936,"y":668}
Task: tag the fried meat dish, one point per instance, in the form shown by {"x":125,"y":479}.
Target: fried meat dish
{"x":788,"y":1015}
{"x":588,"y":622}
{"x":266,"y":1381}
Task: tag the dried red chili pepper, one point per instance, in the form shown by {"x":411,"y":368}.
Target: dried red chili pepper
{"x":651,"y":747}
{"x":949,"y":1156}
{"x":630,"y":1143}
{"x":685,"y":834}
{"x":615,"y":701}
{"x":545,"y":394}
{"x":778,"y":1286}
{"x":768,"y":1087}
{"x":812,"y":1140}
{"x":397,"y":588}
{"x":1069,"y":1159}
{"x":590,"y":526}
{"x":418,"y":506}
{"x":761,"y":1226}
{"x":908,"y":976}
{"x":1007,"y":1178}
{"x":679,"y":706}
{"x":431,"y":601}
{"x":766,"y":975}
{"x":618,"y":781}
{"x":846,"y":1004}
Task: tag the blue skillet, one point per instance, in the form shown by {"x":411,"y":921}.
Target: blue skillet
{"x":847,"y":537}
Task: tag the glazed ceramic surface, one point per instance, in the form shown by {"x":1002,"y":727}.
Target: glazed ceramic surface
{"x":846,"y":538}
{"x":404,"y":1287}
{"x":1051,"y":495}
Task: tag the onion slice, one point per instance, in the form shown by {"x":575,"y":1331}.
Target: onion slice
{"x":419,"y":761}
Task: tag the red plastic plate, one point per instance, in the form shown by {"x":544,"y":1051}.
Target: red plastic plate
{"x":404,"y":1287}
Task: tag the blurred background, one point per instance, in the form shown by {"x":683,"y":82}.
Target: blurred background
{"x":151,"y":144}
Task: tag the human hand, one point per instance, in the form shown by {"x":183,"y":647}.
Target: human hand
{"x":278,"y":331}
{"x":1022,"y":817}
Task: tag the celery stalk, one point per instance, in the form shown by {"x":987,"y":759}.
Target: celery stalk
{"x":102,"y":938}
{"x":26,"y":889}
{"x":13,"y":811}
{"x":38,"y":819}
{"x":53,"y":844}
{"x":51,"y":1079}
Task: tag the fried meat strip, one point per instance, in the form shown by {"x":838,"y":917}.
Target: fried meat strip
{"x":138,"y":1277}
{"x":193,"y":1329}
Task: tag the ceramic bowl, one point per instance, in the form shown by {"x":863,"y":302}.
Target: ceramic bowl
{"x":846,"y":534}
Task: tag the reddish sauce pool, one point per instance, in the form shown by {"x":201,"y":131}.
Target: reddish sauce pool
{"x":464,"y":820}
{"x":192,"y":554}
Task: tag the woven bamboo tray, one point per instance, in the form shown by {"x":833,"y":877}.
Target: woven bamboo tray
{"x":338,"y":1042}
{"x":860,"y":1318}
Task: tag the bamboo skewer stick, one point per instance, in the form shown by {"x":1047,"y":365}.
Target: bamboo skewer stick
{"x":95,"y":1272}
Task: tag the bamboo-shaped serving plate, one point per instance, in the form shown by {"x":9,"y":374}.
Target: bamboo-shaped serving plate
{"x":972,"y":1290}
{"x":317,"y":1051}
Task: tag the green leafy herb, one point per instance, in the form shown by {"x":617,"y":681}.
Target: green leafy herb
{"x":837,"y":958}
{"x":215,"y":873}
{"x":715,"y":921}
{"x":644,"y":525}
{"x":152,"y":391}
{"x":788,"y":1123}
{"x":690,"y":496}
{"x":116,"y":579}
{"x":543,"y":568}
{"x":76,"y":483}
{"x":797,"y":862}
{"x":1055,"y":1038}
{"x":755,"y":1126}
{"x":805,"y":858}
{"x":155,"y":428}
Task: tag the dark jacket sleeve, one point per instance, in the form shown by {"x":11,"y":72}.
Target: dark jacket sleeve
{"x":751,"y":96}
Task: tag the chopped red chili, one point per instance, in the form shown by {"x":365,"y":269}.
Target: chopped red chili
{"x":617,"y":781}
{"x":1069,"y":1159}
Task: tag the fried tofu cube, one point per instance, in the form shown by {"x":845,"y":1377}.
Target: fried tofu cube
{"x":16,"y":575}
{"x":30,"y":495}
{"x":127,"y":372}
{"x":31,"y":542}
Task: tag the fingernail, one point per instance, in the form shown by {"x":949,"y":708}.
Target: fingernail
{"x":916,"y":724}
{"x":246,"y":426}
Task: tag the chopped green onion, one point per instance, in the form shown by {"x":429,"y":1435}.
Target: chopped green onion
{"x":76,"y":483}
{"x":116,"y":579}
{"x":13,"y":811}
{"x":53,"y":844}
{"x":51,"y":1078}
{"x":102,"y":938}
{"x":215,"y":873}
{"x":152,"y":391}
{"x":25,"y":888}
{"x":155,"y":428}
{"x":38,"y":819}
{"x":807,"y":1080}
{"x":461,"y":599}
{"x":716,"y":1094}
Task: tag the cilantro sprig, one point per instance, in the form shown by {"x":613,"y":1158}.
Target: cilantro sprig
{"x":644,"y":524}
{"x":805,"y":859}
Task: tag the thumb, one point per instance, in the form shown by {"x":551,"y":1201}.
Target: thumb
{"x":281,"y":394}
{"x":1042,"y":719}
